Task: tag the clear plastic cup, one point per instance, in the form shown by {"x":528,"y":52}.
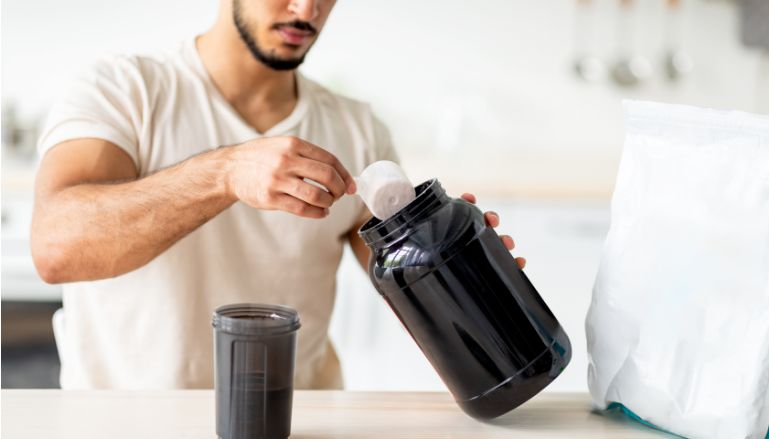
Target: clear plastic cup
{"x":254,"y":348}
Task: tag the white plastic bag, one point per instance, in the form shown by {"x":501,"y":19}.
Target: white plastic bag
{"x":678,"y":327}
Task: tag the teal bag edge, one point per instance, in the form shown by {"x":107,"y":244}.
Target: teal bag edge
{"x":618,"y":407}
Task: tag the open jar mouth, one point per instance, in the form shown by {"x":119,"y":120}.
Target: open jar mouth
{"x":255,"y":319}
{"x":429,"y":195}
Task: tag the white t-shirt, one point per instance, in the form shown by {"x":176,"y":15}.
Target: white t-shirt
{"x":151,"y":328}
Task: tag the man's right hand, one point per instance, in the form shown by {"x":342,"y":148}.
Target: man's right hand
{"x":89,"y":195}
{"x":269,"y":173}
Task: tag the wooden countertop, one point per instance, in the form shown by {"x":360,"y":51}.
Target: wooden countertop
{"x":189,"y":414}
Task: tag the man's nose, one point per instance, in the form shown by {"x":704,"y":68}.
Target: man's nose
{"x":305,"y":10}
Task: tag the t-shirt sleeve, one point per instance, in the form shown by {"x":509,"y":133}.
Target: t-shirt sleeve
{"x":104,"y":103}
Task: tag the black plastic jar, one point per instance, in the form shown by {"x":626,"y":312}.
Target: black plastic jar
{"x":462,"y":297}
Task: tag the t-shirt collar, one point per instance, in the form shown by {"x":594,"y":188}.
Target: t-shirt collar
{"x":282,"y":127}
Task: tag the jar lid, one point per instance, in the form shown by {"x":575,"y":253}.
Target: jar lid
{"x":429,"y":195}
{"x":255,"y":319}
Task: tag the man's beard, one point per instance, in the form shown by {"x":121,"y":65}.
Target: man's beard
{"x":269,"y":59}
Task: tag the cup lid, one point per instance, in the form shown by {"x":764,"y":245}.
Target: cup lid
{"x":255,"y":319}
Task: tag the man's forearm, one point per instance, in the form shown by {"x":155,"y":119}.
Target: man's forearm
{"x":359,"y":248}
{"x":93,"y":231}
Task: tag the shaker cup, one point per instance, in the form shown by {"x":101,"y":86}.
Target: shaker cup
{"x":254,"y":348}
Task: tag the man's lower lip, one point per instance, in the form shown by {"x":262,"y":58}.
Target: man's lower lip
{"x":293,"y":38}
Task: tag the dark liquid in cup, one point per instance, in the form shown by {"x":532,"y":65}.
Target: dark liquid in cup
{"x":262,"y":414}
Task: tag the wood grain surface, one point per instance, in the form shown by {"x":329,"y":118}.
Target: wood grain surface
{"x":51,"y":414}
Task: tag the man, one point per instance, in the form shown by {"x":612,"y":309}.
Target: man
{"x":152,"y":224}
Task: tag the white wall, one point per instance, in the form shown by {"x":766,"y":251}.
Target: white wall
{"x":480,"y":94}
{"x":458,"y":82}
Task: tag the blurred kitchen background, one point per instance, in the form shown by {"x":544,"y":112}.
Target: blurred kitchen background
{"x":517,"y":101}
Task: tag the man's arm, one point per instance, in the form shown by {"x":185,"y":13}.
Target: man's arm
{"x":359,"y":248}
{"x":362,"y":252}
{"x":95,"y":219}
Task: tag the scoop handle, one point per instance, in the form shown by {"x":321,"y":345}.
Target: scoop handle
{"x":360,"y":186}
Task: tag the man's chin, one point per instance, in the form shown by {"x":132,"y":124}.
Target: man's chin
{"x":284,"y":66}
{"x":283,"y":59}
{"x":280,"y":63}
{"x":277,"y":54}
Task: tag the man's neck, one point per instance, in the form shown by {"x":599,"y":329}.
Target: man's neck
{"x":261,"y":95}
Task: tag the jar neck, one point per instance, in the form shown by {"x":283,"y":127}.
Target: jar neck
{"x":430,"y":196}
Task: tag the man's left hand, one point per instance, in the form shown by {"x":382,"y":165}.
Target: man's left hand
{"x":492,"y":219}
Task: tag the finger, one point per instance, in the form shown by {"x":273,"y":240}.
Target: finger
{"x":322,"y":173}
{"x":521,"y":262}
{"x":470,"y":198}
{"x":309,"y":193}
{"x":298,"y":207}
{"x":508,"y":241}
{"x":315,"y":152}
{"x":492,"y":219}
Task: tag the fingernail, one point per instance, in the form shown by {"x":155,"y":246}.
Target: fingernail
{"x":326,"y":211}
{"x":351,"y":188}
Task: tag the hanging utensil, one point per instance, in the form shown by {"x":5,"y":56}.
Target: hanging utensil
{"x":587,"y":66}
{"x":677,"y":62}
{"x":630,"y":68}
